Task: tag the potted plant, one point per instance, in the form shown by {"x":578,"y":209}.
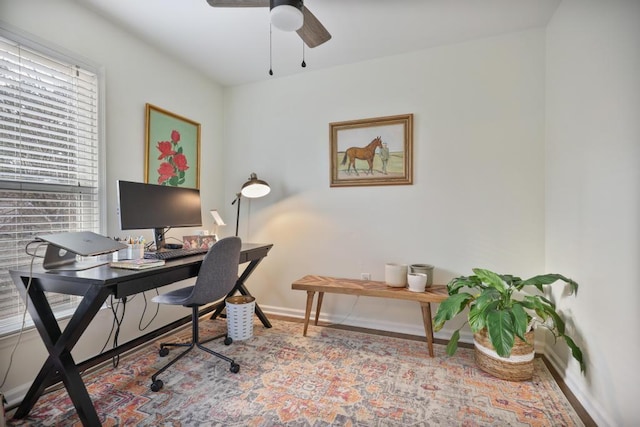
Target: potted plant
{"x":503,"y":318}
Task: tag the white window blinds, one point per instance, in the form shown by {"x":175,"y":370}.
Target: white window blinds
{"x":48,"y":159}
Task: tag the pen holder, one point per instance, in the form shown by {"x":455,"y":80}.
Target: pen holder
{"x":132,"y":251}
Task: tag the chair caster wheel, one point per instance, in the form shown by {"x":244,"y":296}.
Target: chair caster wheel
{"x":163,"y":351}
{"x":235,"y":368}
{"x":228,"y":340}
{"x":156,"y":385}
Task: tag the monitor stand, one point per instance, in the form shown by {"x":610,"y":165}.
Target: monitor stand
{"x":158,"y":238}
{"x":59,"y":259}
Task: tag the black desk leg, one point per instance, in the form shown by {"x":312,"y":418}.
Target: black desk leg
{"x":240,"y":287}
{"x":60,"y":363}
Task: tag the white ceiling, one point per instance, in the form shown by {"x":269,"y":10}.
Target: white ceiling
{"x":231,"y":45}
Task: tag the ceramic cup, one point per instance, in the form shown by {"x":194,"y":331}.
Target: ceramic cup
{"x":417,"y":282}
{"x":425,"y":269}
{"x":395,"y":275}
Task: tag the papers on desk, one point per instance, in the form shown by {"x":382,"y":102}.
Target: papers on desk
{"x":138,"y":264}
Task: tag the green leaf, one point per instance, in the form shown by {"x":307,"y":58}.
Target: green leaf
{"x":501,"y":333}
{"x":576,"y":352}
{"x":534,"y":303}
{"x":558,"y":323}
{"x":488,"y":296}
{"x":452,"y":346}
{"x":520,"y":320}
{"x":454,"y":286}
{"x":511,"y":280}
{"x":449,"y":308}
{"x":491,"y":279}
{"x":547,"y":279}
{"x":478,"y":314}
{"x":545,"y":310}
{"x":545,"y":301}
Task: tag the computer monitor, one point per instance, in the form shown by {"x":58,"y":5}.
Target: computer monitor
{"x":157,"y":207}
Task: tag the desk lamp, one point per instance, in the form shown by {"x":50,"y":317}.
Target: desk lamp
{"x":252,"y":189}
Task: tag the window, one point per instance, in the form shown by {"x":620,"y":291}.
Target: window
{"x":48,"y":160}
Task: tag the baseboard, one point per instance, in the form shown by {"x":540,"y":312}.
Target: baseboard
{"x":574,"y":383}
{"x":15,"y":395}
{"x":351,"y":320}
{"x":416,"y":329}
{"x":3,"y":419}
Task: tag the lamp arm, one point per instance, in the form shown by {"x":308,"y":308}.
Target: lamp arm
{"x":237,"y":199}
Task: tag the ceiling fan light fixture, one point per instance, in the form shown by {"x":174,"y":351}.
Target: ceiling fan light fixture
{"x":286,"y":15}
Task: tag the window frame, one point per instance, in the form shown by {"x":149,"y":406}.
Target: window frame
{"x":59,"y":53}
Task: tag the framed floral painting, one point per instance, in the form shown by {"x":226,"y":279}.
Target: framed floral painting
{"x":172,"y":149}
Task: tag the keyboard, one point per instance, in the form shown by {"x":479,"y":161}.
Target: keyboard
{"x":175,"y":253}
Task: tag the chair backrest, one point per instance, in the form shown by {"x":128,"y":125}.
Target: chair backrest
{"x":218,"y":273}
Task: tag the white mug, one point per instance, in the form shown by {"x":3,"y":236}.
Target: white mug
{"x":417,"y":282}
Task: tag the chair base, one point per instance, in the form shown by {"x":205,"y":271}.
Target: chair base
{"x":157,"y":384}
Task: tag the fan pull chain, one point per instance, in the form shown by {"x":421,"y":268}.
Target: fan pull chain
{"x":304,"y":64}
{"x":270,"y":51}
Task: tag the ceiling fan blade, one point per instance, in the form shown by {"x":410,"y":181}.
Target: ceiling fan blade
{"x":238,"y":3}
{"x":312,"y":32}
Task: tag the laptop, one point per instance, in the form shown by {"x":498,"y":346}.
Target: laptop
{"x":63,"y":248}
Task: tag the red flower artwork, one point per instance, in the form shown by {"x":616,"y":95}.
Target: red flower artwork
{"x":175,"y":136}
{"x":166,"y":172}
{"x":180,"y":160}
{"x":172,"y":170}
{"x":166,"y":149}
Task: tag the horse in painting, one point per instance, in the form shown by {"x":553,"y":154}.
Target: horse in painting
{"x":362,"y":153}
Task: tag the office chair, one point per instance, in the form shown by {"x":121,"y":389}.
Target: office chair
{"x":217,"y":276}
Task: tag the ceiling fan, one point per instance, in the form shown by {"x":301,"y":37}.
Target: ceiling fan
{"x":286,"y":15}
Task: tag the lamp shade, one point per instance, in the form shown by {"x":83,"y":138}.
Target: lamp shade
{"x":286,"y":15}
{"x":255,"y":187}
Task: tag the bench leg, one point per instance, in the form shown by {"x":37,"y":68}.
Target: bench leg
{"x":307,"y":312}
{"x":318,"y":305}
{"x":428,"y":328}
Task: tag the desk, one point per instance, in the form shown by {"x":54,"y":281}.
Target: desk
{"x":95,"y":285}
{"x":322,"y":284}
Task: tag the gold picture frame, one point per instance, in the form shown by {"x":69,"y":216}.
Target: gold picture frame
{"x":172,"y":149}
{"x":375,"y":151}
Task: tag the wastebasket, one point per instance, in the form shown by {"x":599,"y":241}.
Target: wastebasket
{"x":240,"y":309}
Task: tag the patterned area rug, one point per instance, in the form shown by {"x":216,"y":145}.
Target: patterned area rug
{"x":329,"y":378}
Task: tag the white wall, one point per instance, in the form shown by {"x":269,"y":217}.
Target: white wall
{"x":478,"y":192}
{"x":135,"y":74}
{"x":593,"y":194}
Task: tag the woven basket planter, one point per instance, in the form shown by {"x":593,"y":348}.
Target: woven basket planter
{"x":517,"y":367}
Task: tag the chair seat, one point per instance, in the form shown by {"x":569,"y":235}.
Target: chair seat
{"x":176,"y":297}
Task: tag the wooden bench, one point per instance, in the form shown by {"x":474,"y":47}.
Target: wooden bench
{"x":322,"y":284}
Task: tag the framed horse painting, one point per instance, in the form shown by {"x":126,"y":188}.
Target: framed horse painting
{"x":172,"y":149}
{"x":376,"y":151}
